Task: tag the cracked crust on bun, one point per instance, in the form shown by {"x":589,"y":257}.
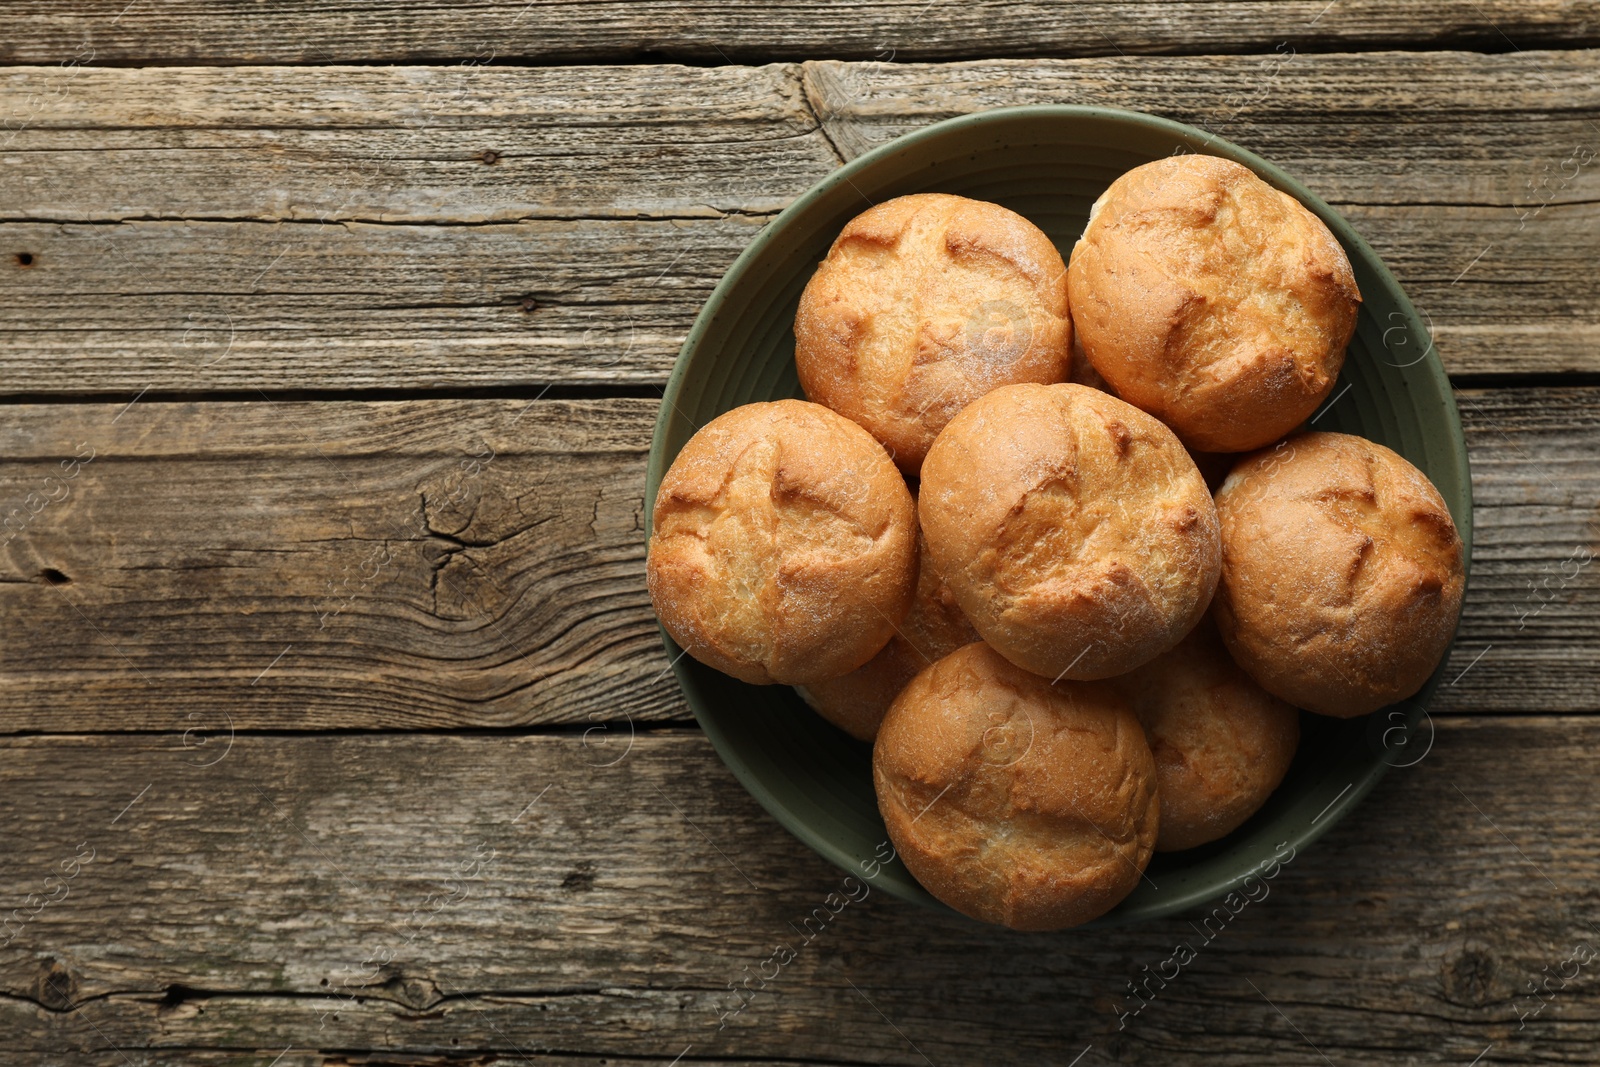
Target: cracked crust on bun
{"x":783,"y":545}
{"x":923,"y":304}
{"x":1212,"y":300}
{"x":1013,"y":800}
{"x":1342,"y":573}
{"x":1074,"y":530}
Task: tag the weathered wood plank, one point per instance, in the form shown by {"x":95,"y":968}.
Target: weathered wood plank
{"x":1534,"y":593}
{"x":201,"y":306}
{"x":1357,"y":127}
{"x":604,"y":911}
{"x":480,"y":563}
{"x":417,"y":564}
{"x":216,"y":32}
{"x":310,"y":217}
{"x":407,"y":144}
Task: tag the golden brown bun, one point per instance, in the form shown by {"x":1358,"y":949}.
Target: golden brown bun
{"x":924,"y":304}
{"x":1213,"y":301}
{"x":1013,"y":800}
{"x":1074,"y":529}
{"x":1341,"y":573}
{"x":1221,"y":742}
{"x":856,"y":703}
{"x":784,"y":545}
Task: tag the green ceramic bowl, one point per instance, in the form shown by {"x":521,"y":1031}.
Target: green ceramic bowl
{"x":1049,"y":164}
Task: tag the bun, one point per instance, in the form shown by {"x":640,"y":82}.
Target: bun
{"x":1074,"y":530}
{"x":1012,"y":800}
{"x":783,"y":546}
{"x":1212,"y":300}
{"x":856,"y":703}
{"x":1221,"y":742}
{"x":1342,"y":573}
{"x":924,"y":304}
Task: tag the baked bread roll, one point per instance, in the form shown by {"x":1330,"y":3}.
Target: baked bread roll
{"x":1221,"y":742}
{"x":925,"y":303}
{"x":1214,"y":466}
{"x":1342,"y":573}
{"x":1074,"y":530}
{"x":784,"y":545}
{"x":856,"y":703}
{"x":1212,"y":300}
{"x":1013,"y":800}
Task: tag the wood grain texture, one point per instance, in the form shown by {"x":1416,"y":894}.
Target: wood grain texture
{"x":338,"y":228}
{"x":407,"y":144}
{"x":321,"y":565}
{"x":413,"y":564}
{"x":426,"y":896}
{"x":213,"y":32}
{"x":203,"y":306}
{"x":196,"y":599}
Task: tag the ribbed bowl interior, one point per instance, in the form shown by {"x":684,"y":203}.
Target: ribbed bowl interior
{"x":1048,"y":164}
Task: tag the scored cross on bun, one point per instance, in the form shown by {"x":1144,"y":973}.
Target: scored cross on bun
{"x":1342,"y":573}
{"x":1013,"y":800}
{"x":925,"y":303}
{"x":1212,"y":300}
{"x":783,"y":546}
{"x":1074,"y":530}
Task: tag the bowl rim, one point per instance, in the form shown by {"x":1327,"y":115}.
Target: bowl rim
{"x":1178,"y":901}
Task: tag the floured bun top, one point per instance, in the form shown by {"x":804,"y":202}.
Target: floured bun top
{"x":923,"y":304}
{"x":1212,"y":300}
{"x":1342,"y":573}
{"x":1013,"y":800}
{"x":783,"y":546}
{"x":1075,"y":531}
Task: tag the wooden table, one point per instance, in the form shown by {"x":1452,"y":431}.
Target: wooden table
{"x":336,"y":726}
